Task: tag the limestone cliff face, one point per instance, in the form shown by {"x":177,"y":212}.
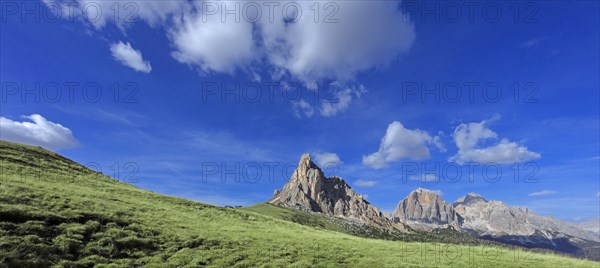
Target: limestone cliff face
{"x":308,"y":189}
{"x":474,"y":215}
{"x":496,"y":219}
{"x":425,"y":208}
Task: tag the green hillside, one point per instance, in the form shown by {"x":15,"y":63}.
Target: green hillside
{"x":55,"y":212}
{"x":343,"y":226}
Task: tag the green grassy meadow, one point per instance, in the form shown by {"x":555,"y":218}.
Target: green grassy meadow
{"x":57,"y":213}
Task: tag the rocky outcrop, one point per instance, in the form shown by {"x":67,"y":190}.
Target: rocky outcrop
{"x":496,"y":219}
{"x":425,"y":208}
{"x":590,"y":225}
{"x":469,"y":198}
{"x":308,"y":189}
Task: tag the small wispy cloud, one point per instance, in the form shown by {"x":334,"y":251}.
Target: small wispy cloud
{"x":326,"y":159}
{"x":533,"y":42}
{"x":365,"y":183}
{"x":542,"y":193}
{"x":130,"y":57}
{"x":423,"y":177}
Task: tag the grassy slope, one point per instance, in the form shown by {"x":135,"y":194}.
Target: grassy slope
{"x":342,"y":226}
{"x":55,"y":212}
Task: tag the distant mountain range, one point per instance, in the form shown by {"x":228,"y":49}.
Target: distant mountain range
{"x":309,"y":190}
{"x":590,"y":225}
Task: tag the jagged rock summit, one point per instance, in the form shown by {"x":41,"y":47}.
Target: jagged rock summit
{"x":469,"y":198}
{"x":495,"y":220}
{"x":308,"y":189}
{"x":425,"y":208}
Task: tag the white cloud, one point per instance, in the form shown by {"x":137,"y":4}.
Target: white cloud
{"x":365,"y":183}
{"x":424,"y":177}
{"x":366,"y":35}
{"x":302,"y":108}
{"x":401,"y":143}
{"x":544,"y":192}
{"x":130,"y":57}
{"x":40,"y":132}
{"x":327,"y":159}
{"x":468,"y":136}
{"x":344,"y":39}
{"x":205,"y":41}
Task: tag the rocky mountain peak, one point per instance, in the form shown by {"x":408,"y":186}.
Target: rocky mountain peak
{"x":424,"y":196}
{"x":308,"y":189}
{"x":424,"y":207}
{"x":519,"y":226}
{"x":423,"y":190}
{"x":306,"y":161}
{"x":470,"y":198}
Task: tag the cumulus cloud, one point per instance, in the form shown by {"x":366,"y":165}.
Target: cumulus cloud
{"x":130,"y":57}
{"x":351,"y":37}
{"x":467,"y":137}
{"x":358,"y":37}
{"x":327,"y":159}
{"x":40,"y":132}
{"x":401,"y":143}
{"x":281,"y":38}
{"x":544,"y":192}
{"x":424,"y":177}
{"x":366,"y":34}
{"x":365,"y":183}
{"x":212,"y":44}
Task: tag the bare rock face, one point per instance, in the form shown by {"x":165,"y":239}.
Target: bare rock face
{"x":468,"y":199}
{"x":520,"y":226}
{"x":474,"y":215}
{"x":590,"y":225}
{"x":309,"y":190}
{"x":496,"y":219}
{"x":425,"y":208}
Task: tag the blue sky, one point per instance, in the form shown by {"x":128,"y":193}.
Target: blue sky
{"x":358,"y":93}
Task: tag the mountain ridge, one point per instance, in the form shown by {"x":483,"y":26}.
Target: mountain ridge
{"x":425,"y":210}
{"x":308,"y":189}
